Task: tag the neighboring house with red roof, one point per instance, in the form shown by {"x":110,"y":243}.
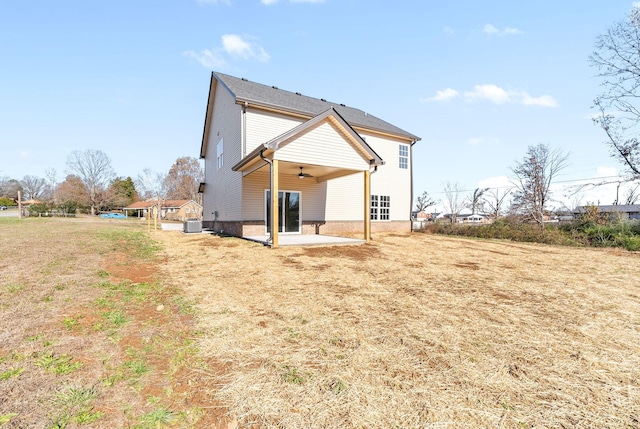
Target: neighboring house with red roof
{"x":278,"y":162}
{"x":179,"y":210}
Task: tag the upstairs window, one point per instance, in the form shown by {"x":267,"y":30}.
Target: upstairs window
{"x":403,"y":159}
{"x":220,"y":153}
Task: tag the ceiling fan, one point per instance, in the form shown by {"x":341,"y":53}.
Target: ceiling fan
{"x":302,"y":175}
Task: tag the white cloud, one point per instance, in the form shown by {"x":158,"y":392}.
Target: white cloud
{"x":234,"y":46}
{"x":544,"y":100}
{"x":490,"y":92}
{"x":211,"y":59}
{"x":636,"y":4}
{"x":489,"y":29}
{"x":237,"y":46}
{"x":493,"y":30}
{"x":475,"y":141}
{"x":494,"y":94}
{"x":442,"y":95}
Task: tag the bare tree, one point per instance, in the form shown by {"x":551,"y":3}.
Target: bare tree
{"x":52,"y":182}
{"x":475,"y":201}
{"x":424,"y":201}
{"x":33,"y":187}
{"x":152,"y":185}
{"x":9,"y":188}
{"x":184,"y":178}
{"x":633,"y":195}
{"x":453,"y":201}
{"x":617,"y":59}
{"x":496,"y":200}
{"x":534,"y":175}
{"x":94,"y":169}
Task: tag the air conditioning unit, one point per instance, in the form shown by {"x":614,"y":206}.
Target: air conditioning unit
{"x":192,"y":226}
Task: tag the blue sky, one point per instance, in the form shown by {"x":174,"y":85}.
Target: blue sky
{"x":478,"y":81}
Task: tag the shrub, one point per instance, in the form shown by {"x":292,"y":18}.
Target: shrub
{"x":593,"y":229}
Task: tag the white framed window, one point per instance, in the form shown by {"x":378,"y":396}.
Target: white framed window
{"x":403,"y":156}
{"x":220,"y":153}
{"x":374,"y":207}
{"x":380,"y":206}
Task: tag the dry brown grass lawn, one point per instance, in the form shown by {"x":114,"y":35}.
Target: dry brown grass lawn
{"x":416,"y":331}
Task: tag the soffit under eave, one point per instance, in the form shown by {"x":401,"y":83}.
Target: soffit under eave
{"x":343,"y":128}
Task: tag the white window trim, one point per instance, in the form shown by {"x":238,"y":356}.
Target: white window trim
{"x":376,"y":210}
{"x":220,"y":154}
{"x":403,"y":156}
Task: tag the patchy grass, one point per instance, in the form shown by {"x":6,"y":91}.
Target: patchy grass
{"x":417,"y":331}
{"x":89,"y":337}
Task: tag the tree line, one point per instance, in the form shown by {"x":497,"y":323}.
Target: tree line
{"x":91,"y":184}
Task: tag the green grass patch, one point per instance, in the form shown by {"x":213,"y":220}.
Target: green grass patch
{"x":13,"y":372}
{"x":116,"y":318}
{"x":293,"y":376}
{"x":136,"y":243}
{"x":6,"y":418}
{"x":156,"y":418}
{"x":59,"y":365}
{"x":71,"y":322}
{"x":74,"y":405}
{"x":14,"y":287}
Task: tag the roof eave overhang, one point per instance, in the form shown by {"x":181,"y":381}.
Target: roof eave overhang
{"x":208,"y":116}
{"x":306,"y":115}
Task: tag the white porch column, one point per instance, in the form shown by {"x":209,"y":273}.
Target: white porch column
{"x":275,"y":210}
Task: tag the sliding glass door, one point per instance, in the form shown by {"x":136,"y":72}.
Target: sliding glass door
{"x":289,"y":211}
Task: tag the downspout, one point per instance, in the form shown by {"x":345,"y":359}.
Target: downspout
{"x":411,"y":181}
{"x":270,"y":239}
{"x":244,"y":129}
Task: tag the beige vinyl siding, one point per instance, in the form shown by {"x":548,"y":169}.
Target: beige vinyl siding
{"x":323,"y":145}
{"x":345,"y":198}
{"x":223,"y":192}
{"x":254,"y":185}
{"x":263,"y":126}
{"x":390,"y":179}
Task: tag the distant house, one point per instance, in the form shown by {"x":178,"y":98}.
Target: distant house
{"x":623,"y":212}
{"x":279,"y":162}
{"x":179,"y":210}
{"x":473,"y":218}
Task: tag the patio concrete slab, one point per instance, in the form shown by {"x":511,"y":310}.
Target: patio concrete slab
{"x":306,"y":240}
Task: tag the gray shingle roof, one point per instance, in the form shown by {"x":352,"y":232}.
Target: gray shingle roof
{"x":245,"y":90}
{"x":633,"y":208}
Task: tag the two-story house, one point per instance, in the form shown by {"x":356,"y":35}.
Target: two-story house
{"x":278,"y":162}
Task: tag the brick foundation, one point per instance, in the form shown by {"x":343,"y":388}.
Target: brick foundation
{"x":350,"y":228}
